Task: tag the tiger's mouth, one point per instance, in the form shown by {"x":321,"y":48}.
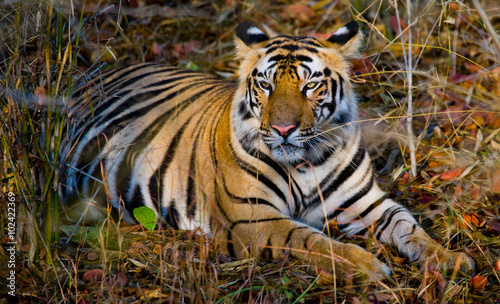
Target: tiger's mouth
{"x":288,"y":147}
{"x":300,"y":147}
{"x":285,"y":150}
{"x":288,"y":153}
{"x":278,"y":142}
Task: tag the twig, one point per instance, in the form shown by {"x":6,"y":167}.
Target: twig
{"x":409,"y":73}
{"x":409,"y":121}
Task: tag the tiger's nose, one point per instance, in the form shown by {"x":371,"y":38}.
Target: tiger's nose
{"x":284,"y":130}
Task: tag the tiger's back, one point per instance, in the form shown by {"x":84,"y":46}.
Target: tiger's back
{"x":139,"y":124}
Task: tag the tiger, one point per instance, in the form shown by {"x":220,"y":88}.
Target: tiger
{"x":263,"y":164}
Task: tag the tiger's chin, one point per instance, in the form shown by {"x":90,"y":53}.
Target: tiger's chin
{"x":286,"y":153}
{"x":289,"y":154}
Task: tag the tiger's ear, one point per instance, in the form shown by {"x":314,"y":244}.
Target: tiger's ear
{"x":248,"y":37}
{"x":347,"y":40}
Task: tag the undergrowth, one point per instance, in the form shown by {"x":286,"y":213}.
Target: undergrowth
{"x":48,"y":47}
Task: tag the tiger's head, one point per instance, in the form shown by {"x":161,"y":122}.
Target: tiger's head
{"x":294,"y":97}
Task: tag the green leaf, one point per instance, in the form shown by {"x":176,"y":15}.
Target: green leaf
{"x":146,"y":216}
{"x":189,"y":65}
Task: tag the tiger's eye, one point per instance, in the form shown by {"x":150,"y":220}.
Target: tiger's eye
{"x":264,"y":85}
{"x":311,"y":85}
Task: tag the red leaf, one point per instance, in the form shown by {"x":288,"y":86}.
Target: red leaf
{"x":433,"y":285}
{"x":494,"y":227}
{"x":298,"y":12}
{"x":119,"y":280}
{"x":497,"y":265}
{"x":156,"y":49}
{"x":426,"y":199}
{"x":473,"y":219}
{"x":183,"y":50}
{"x":404,"y":178}
{"x":479,"y":282}
{"x":495,"y":187}
{"x":94,"y":276}
{"x":396,"y":24}
{"x":92,"y":256}
{"x":451,"y":174}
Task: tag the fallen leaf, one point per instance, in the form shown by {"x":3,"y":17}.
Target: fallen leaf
{"x":479,"y":282}
{"x":237,"y":265}
{"x":474,"y":193}
{"x":494,"y":226}
{"x":454,"y":7}
{"x":298,"y":12}
{"x":397,"y":24}
{"x":494,"y":122}
{"x":458,"y":192}
{"x":456,"y":113}
{"x":356,"y":300}
{"x":497,"y":265}
{"x":157,"y":249}
{"x":435,"y":164}
{"x":495,"y":187}
{"x":156,"y":49}
{"x":472,"y":67}
{"x":432,"y":286}
{"x":154,"y":293}
{"x":426,"y":199}
{"x":399,"y":260}
{"x":495,"y":145}
{"x":451,"y":174}
{"x":183,"y":50}
{"x":119,"y":280}
{"x":138,"y":248}
{"x":404,"y":179}
{"x":440,"y":154}
{"x":383,"y":297}
{"x":93,"y":276}
{"x":92,"y":256}
{"x":473,"y":219}
{"x":334,"y":228}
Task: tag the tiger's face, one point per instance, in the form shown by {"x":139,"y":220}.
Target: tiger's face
{"x":294,"y":93}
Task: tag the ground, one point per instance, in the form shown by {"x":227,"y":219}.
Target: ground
{"x":454,"y":91}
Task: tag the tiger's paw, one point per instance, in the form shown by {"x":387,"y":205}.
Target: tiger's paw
{"x":449,"y":260}
{"x":361,"y":262}
{"x":421,"y":248}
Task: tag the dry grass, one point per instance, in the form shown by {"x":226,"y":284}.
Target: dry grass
{"x":49,"y":46}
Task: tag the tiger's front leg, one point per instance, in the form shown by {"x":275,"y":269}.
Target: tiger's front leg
{"x":391,"y":223}
{"x":262,"y":231}
{"x":419,"y":247}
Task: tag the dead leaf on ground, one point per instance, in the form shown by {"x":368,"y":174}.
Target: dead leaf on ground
{"x":119,"y":280}
{"x":93,"y":276}
{"x":92,"y":256}
{"x":451,"y":174}
{"x":432,"y":287}
{"x":298,"y":12}
{"x":479,"y":282}
{"x":495,"y":187}
{"x":497,"y":265}
{"x":473,"y":219}
{"x":494,"y":226}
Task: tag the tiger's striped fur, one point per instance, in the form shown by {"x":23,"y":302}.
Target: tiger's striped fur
{"x":264,"y":164}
